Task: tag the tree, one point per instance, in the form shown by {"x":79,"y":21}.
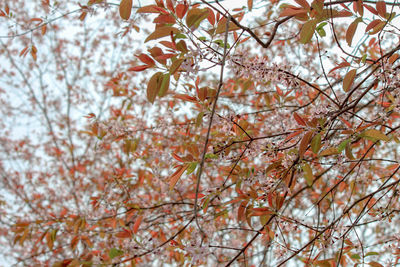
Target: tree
{"x":199,"y":133}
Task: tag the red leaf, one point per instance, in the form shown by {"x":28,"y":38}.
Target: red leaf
{"x":146,"y":59}
{"x":139,"y":68}
{"x":181,"y":10}
{"x":299,"y":119}
{"x":371,"y":9}
{"x":341,"y":65}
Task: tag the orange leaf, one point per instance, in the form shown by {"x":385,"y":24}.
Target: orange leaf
{"x":250,"y":4}
{"x":292,"y":11}
{"x":349,"y":79}
{"x":372,"y":25}
{"x":137,"y":224}
{"x":161,"y":32}
{"x":341,"y":65}
{"x":351,"y":30}
{"x":177,"y":174}
{"x":164,"y":18}
{"x":241,"y":210}
{"x":304,"y":143}
{"x":125,"y":9}
{"x":153,"y":86}
{"x":381,"y":8}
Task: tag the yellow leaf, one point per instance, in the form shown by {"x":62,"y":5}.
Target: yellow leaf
{"x":125,"y":9}
{"x":376,"y":134}
{"x":329,"y":151}
{"x":307,"y":31}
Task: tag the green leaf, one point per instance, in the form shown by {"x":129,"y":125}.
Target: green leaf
{"x":113,"y":253}
{"x":307,"y":31}
{"x":343,"y":144}
{"x":191,"y":168}
{"x":164,"y":85}
{"x":195,"y":16}
{"x":316,"y":143}
{"x":371,"y":254}
{"x":308,"y":175}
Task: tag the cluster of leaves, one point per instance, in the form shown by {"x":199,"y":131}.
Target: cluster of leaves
{"x":264,"y":134}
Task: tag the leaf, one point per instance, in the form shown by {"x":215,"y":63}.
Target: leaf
{"x":164,"y":19}
{"x":381,"y":8}
{"x":292,"y":11}
{"x":371,"y":9}
{"x":304,"y":4}
{"x":376,"y":134}
{"x":146,"y":59}
{"x":137,"y":224}
{"x":161,"y":32}
{"x":181,"y":10}
{"x":307,"y":31}
{"x":125,"y":9}
{"x":349,"y":79}
{"x":375,"y":264}
{"x":241,"y":210}
{"x":34,"y":52}
{"x":176,"y":175}
{"x":351,"y":30}
{"x":152,"y":9}
{"x":113,"y":253}
{"x":153,"y":87}
{"x":250,"y":4}
{"x":221,"y":27}
{"x":164,"y":85}
{"x":175,"y":66}
{"x":308,"y":175}
{"x":304,"y":143}
{"x":195,"y":16}
{"x":329,"y":151}
{"x":299,"y":119}
{"x":371,"y":253}
{"x":372,"y":25}
{"x":316,"y":143}
{"x":348,"y":152}
{"x":341,"y":65}
{"x":139,"y":68}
